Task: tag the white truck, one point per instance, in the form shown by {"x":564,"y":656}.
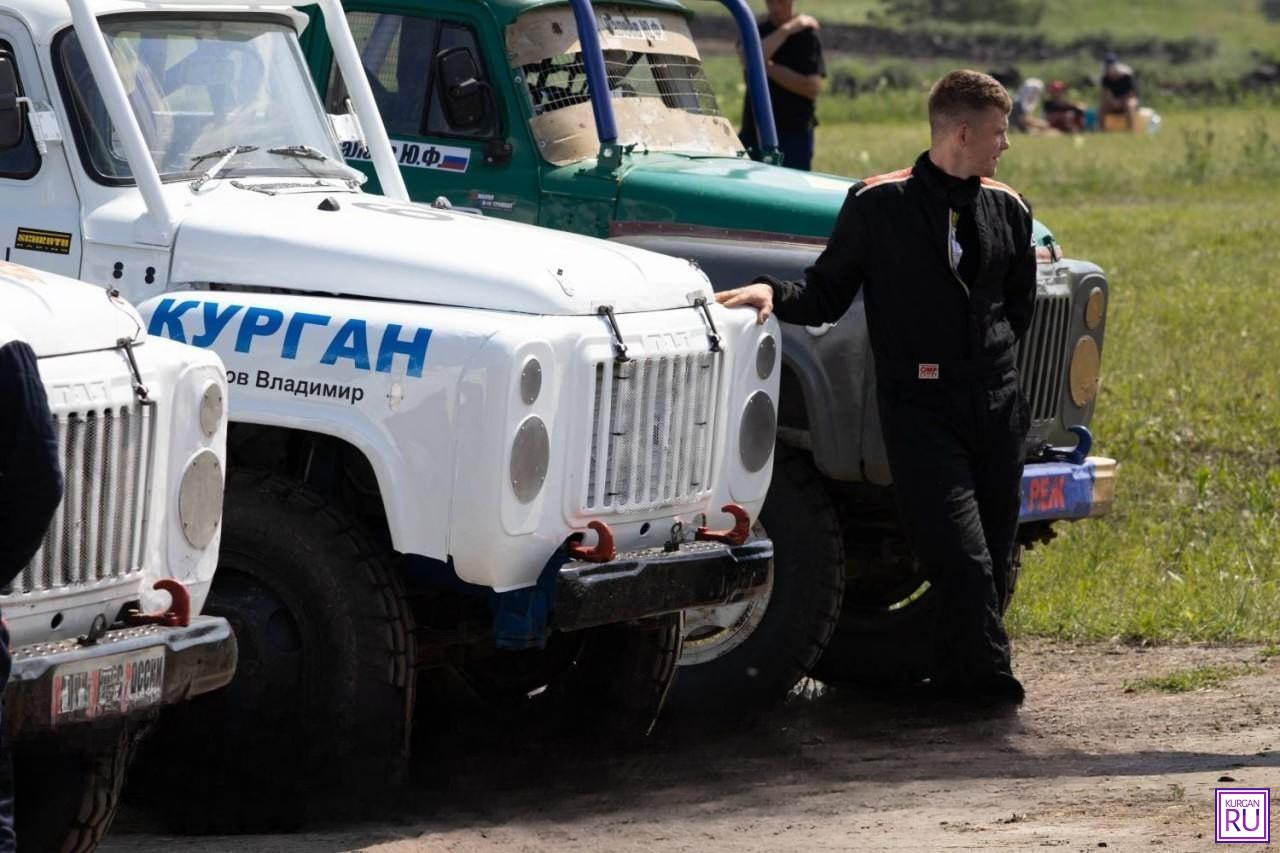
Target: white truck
{"x":430,"y":409}
{"x":101,"y":620}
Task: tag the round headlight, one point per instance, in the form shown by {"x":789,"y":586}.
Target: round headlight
{"x":756,"y":433}
{"x":530,"y":381}
{"x":200,"y":498}
{"x":766,"y":356}
{"x":1086,"y":364}
{"x":530,"y":455}
{"x":211,"y":409}
{"x":1093,"y":308}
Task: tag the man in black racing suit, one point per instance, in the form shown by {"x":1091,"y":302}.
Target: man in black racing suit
{"x":943,"y":255}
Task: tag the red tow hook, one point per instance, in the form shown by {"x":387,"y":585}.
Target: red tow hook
{"x":604,"y":550}
{"x":177,"y":616}
{"x":734,"y":536}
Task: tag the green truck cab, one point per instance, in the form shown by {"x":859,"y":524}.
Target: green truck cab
{"x":601,"y":121}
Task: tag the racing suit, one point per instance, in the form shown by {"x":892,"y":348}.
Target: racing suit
{"x":947,"y":270}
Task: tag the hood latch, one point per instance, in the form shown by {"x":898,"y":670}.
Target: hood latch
{"x":619,"y":348}
{"x":713,"y":337}
{"x":139,"y":388}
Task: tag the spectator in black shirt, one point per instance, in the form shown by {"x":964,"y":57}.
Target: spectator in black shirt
{"x":1119,"y":92}
{"x":793,"y":59}
{"x":30,"y":490}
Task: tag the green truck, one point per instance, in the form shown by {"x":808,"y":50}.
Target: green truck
{"x":601,"y":121}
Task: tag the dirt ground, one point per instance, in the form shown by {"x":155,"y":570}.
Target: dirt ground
{"x":1084,"y":765}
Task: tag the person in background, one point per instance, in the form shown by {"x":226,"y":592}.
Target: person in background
{"x":945,"y":259}
{"x":30,"y":491}
{"x":1119,"y":92}
{"x":1061,"y":113}
{"x":1026,"y":107}
{"x":793,"y":59}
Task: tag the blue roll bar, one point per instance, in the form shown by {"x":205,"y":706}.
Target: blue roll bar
{"x":584,"y":15}
{"x":757,"y":78}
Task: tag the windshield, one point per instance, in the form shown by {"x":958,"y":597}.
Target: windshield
{"x":661,"y":97}
{"x":201,"y":87}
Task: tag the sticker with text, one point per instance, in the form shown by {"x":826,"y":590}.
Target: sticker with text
{"x":418,"y":155}
{"x":1242,"y":815}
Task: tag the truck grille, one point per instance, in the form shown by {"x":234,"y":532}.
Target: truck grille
{"x":653,"y":426}
{"x":97,"y":533}
{"x":1042,"y":355}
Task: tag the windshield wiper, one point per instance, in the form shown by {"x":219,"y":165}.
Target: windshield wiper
{"x":307,"y":152}
{"x":223,"y":152}
{"x":303,"y":152}
{"x":226,"y":154}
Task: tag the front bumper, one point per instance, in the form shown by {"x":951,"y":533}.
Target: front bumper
{"x":652,"y":582}
{"x":1068,"y":490}
{"x":197,"y":658}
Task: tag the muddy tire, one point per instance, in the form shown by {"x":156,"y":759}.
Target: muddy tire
{"x":66,"y":794}
{"x":750,"y":655}
{"x":884,"y":639}
{"x":610,"y":681}
{"x":318,"y":708}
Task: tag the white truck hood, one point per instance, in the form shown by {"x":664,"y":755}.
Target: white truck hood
{"x":59,"y":316}
{"x":380,"y":248}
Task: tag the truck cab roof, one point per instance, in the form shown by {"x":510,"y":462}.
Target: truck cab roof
{"x":45,"y":18}
{"x":507,"y":10}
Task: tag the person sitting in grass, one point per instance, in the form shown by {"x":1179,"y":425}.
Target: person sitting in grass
{"x":1060,"y":112}
{"x":1026,"y":107}
{"x":1119,"y":92}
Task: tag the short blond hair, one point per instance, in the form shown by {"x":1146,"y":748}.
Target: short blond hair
{"x":960,"y":94}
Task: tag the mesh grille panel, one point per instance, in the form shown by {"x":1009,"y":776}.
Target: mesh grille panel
{"x":1042,"y":356}
{"x":653,"y":428}
{"x":97,"y":532}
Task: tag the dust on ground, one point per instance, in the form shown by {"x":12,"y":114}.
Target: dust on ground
{"x":1085,"y":765}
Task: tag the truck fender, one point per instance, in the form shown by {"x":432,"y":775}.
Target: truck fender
{"x":378,"y":376}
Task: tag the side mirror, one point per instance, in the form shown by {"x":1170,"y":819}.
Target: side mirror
{"x":11,"y":124}
{"x":466,"y":98}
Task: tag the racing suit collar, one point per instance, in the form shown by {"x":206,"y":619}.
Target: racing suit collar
{"x":957,"y":192}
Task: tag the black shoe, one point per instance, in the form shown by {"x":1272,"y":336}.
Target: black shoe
{"x":1000,"y":690}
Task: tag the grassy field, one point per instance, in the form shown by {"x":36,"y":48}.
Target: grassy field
{"x":1238,"y":35}
{"x":1187,"y":225}
{"x":1236,"y":24}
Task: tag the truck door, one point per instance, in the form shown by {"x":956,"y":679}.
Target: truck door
{"x":40,"y":217}
{"x":470,"y":152}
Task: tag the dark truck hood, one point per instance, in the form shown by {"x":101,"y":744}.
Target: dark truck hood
{"x":732,"y":194}
{"x":722,"y":192}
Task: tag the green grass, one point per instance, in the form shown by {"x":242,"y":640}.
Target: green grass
{"x":1236,"y":24}
{"x":1191,"y":395}
{"x":1188,"y":680}
{"x":1238,"y":32}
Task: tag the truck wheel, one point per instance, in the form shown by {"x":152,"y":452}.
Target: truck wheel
{"x":319,"y":701}
{"x":884,"y":638}
{"x":744,"y":657}
{"x":66,"y":794}
{"x":610,"y":681}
